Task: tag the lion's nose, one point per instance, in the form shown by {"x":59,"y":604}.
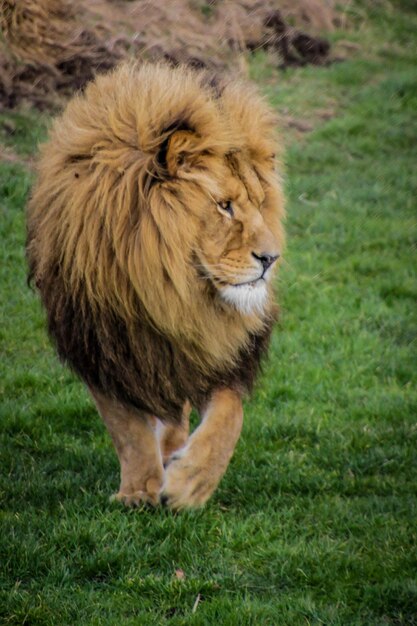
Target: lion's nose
{"x":266,"y":259}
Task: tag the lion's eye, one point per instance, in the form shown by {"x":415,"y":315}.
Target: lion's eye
{"x":226,"y":207}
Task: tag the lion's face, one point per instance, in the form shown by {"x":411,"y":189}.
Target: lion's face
{"x":240,"y":242}
{"x":236,"y":203}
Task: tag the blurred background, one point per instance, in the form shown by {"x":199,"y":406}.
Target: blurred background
{"x":51,"y":47}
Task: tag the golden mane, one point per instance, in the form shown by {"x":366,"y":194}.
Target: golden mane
{"x":121,"y":232}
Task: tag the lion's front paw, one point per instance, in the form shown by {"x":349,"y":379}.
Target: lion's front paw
{"x":190,"y":479}
{"x":137,"y":498}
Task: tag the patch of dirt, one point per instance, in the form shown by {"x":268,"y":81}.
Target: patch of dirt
{"x":50,"y":48}
{"x":7,"y":155}
{"x":303,"y":126}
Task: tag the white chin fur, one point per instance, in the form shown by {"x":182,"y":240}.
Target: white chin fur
{"x":247,"y":299}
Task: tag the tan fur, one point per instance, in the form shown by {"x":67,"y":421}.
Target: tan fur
{"x":194,"y":466}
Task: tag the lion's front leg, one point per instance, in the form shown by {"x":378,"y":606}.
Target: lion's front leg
{"x":194,"y":472}
{"x":137,"y":447}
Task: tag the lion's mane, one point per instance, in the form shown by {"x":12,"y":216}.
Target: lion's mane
{"x":110,"y":238}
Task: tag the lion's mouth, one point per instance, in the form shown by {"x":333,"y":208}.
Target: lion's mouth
{"x":248,"y":283}
{"x":222,"y":283}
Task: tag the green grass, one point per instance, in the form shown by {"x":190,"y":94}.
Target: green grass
{"x":315,"y":520}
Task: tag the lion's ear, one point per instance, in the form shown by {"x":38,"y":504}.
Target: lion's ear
{"x":182,"y":151}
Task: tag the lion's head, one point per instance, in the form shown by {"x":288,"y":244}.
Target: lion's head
{"x":158,"y":186}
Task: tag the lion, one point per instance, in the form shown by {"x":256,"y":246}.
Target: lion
{"x":154,"y":232}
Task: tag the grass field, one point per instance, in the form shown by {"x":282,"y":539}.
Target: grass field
{"x":315,"y":520}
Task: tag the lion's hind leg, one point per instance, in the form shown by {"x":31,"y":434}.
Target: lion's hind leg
{"x":172,"y":437}
{"x":133,"y":435}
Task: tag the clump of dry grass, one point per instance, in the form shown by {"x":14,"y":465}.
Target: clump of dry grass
{"x":52,"y":47}
{"x":47,"y":50}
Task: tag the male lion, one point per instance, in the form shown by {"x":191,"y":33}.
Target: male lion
{"x":153,"y":234}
